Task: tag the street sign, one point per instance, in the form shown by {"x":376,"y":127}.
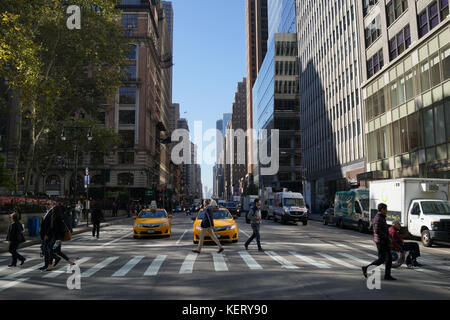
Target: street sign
{"x":87,"y":180}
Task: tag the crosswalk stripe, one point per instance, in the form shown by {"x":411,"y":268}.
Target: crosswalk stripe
{"x":219,"y":262}
{"x":21,"y":272}
{"x":284,"y":263}
{"x":337,"y":261}
{"x":251,"y":263}
{"x":188,"y":264}
{"x":321,"y":265}
{"x":11,"y":283}
{"x":98,"y":267}
{"x":6,"y":267}
{"x":363,"y":262}
{"x":153,"y":269}
{"x":126,"y":268}
{"x":62,"y":270}
{"x":1,"y":260}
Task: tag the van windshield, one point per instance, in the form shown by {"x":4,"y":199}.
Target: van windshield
{"x":293,"y":202}
{"x":436,"y":207}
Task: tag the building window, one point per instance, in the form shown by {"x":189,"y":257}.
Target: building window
{"x":126,"y":157}
{"x":130,"y":73}
{"x":375,"y":64}
{"x":399,"y":43}
{"x":127,"y":95}
{"x":125,"y":179}
{"x":394,"y":9}
{"x":130,"y":21}
{"x":373,"y":31}
{"x":126,"y":117}
{"x":429,"y":17}
{"x":133,"y":50}
{"x":127,"y":138}
{"x":367,"y":6}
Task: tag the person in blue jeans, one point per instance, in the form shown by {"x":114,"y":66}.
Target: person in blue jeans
{"x":255,"y":221}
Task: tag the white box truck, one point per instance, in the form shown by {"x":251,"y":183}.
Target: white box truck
{"x":421,"y":205}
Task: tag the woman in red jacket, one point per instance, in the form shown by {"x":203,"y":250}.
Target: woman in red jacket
{"x":398,"y":244}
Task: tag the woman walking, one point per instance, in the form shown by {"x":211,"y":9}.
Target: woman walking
{"x":15,"y":237}
{"x":58,"y":230}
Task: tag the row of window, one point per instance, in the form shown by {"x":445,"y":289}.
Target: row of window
{"x":430,"y":72}
{"x":286,"y":48}
{"x":286,"y":87}
{"x":424,"y":129}
{"x":286,"y":68}
{"x":375,"y":63}
{"x":399,"y":43}
{"x":430,"y":17}
{"x":394,"y":9}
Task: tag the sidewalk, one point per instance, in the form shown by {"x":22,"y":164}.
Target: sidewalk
{"x":315,"y":216}
{"x":79,"y":229}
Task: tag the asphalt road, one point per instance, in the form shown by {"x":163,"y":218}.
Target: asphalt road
{"x":299,"y":262}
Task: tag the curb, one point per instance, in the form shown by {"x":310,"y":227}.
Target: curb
{"x":33,"y":242}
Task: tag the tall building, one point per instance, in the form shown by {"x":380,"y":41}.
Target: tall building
{"x":239,"y":121}
{"x":226,"y":118}
{"x":330,"y":99}
{"x":276,"y":99}
{"x":256,"y":47}
{"x":227,"y":160}
{"x":218,"y":181}
{"x":174,"y":116}
{"x":405,"y":50}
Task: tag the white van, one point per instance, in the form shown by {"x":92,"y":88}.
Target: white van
{"x":290,"y":207}
{"x":421,"y":205}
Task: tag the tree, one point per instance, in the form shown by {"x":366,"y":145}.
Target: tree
{"x":6,"y":180}
{"x":56,"y":72}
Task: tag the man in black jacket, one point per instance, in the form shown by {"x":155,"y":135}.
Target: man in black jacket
{"x":97,"y":217}
{"x":14,"y":238}
{"x":208,"y":225}
{"x":46,"y":237}
{"x":381,"y":239}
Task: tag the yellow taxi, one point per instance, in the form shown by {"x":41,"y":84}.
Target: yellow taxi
{"x":152,"y":222}
{"x":226,"y":226}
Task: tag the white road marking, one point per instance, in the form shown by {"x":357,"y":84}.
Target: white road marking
{"x":6,"y":267}
{"x":1,"y":260}
{"x":153,"y":269}
{"x":284,"y":263}
{"x":219,"y":262}
{"x":21,"y":272}
{"x":337,"y":261}
{"x":98,"y":267}
{"x":126,"y":268}
{"x":349,"y":256}
{"x":251,"y":263}
{"x":178,"y":242}
{"x":311,"y":261}
{"x":188,"y":264}
{"x":64,"y":269}
{"x":108,"y":243}
{"x":244,"y":233}
{"x":11,"y":283}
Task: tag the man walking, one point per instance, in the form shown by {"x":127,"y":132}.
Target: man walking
{"x":97,"y":217}
{"x":381,"y":239}
{"x":254,"y":216}
{"x":208,"y":225}
{"x":46,"y":237}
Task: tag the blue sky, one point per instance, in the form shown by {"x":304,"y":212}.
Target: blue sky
{"x":209,"y":61}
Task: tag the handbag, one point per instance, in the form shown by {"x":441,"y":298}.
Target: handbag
{"x":67,"y":234}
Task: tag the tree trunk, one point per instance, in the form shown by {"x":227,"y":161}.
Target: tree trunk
{"x":19,"y":143}
{"x":30,"y":157}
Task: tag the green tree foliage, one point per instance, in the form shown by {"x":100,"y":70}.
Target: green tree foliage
{"x":56,"y":72}
{"x":6,"y":180}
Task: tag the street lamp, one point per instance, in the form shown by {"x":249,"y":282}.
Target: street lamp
{"x":77,"y":129}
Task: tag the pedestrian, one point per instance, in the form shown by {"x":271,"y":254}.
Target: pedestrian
{"x":78,"y":210}
{"x":381,"y":239}
{"x":254,"y":216}
{"x":399,"y":245}
{"x":45,"y":233}
{"x":15,"y":237}
{"x":59,"y":228}
{"x":97,"y":216}
{"x":207,"y":225}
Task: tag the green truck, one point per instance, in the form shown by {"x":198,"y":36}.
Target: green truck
{"x":351,"y":209}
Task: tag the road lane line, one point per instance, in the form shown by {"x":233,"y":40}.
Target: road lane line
{"x":321,"y":265}
{"x":11,"y":283}
{"x":108,"y":243}
{"x":251,"y":263}
{"x":23,"y":271}
{"x":64,"y":269}
{"x":349,"y":256}
{"x":178,"y":242}
{"x":126,"y":268}
{"x":153,"y":269}
{"x":284,"y":263}
{"x":219,"y":262}
{"x":98,"y":267}
{"x":244,"y":233}
{"x":188,"y":264}
{"x":337,"y":261}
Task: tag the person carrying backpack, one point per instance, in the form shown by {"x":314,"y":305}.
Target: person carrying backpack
{"x":208,"y":225}
{"x":255,"y":221}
